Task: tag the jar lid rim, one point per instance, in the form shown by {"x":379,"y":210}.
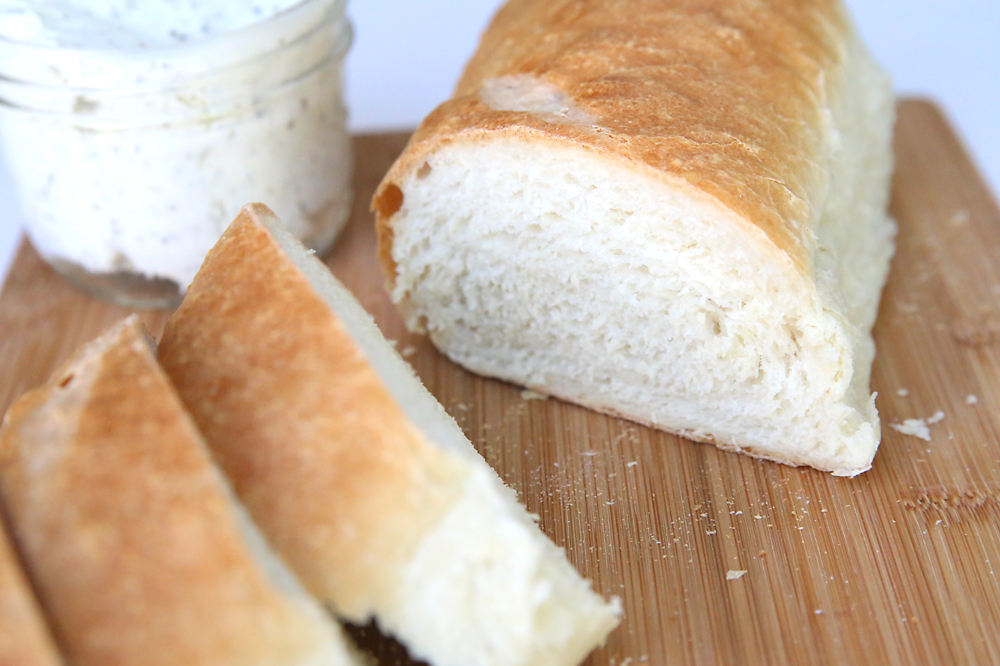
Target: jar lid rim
{"x":95,"y":67}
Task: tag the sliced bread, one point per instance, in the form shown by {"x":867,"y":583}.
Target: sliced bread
{"x":356,"y":473}
{"x":135,"y":543}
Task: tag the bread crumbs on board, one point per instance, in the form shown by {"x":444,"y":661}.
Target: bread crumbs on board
{"x":918,"y":427}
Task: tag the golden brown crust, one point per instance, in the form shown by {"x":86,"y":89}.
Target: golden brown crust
{"x":24,"y":636}
{"x":125,"y":525}
{"x":724,"y":96}
{"x":321,"y":454}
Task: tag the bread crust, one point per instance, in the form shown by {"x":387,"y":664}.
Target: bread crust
{"x":289,"y":431}
{"x":24,"y":635}
{"x":125,"y":526}
{"x":719,"y":97}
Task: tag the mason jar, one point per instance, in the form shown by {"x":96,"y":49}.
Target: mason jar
{"x":130,"y":158}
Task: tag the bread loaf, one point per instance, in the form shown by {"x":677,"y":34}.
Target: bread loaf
{"x":24,"y":635}
{"x":133,"y":540}
{"x":356,"y":473}
{"x":673,"y":212}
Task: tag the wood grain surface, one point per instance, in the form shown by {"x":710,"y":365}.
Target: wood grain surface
{"x":896,"y":566}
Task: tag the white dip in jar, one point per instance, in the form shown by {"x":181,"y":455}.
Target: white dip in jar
{"x":135,"y":131}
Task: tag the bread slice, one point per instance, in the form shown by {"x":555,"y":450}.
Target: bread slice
{"x":134,"y":542}
{"x":24,"y":635}
{"x":673,"y":212}
{"x":356,"y":473}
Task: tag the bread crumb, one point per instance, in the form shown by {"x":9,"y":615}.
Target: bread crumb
{"x":710,"y":532}
{"x":918,"y":427}
{"x":408,"y":351}
{"x":631,"y":464}
{"x":528,"y":394}
{"x":462,"y":407}
{"x":903,"y":392}
{"x":818,"y":611}
{"x":971,"y":399}
{"x":733,"y":574}
{"x":913,"y":427}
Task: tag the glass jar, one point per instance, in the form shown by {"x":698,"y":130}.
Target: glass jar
{"x":130,"y":162}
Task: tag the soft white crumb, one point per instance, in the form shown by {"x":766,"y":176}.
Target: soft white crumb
{"x":735,"y":575}
{"x":903,"y":392}
{"x":528,"y":394}
{"x":408,"y":351}
{"x":913,"y":427}
{"x":462,"y":407}
{"x":631,"y":464}
{"x":918,"y":427}
{"x":818,"y":611}
{"x":971,"y":399}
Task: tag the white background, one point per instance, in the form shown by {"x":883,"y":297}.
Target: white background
{"x":408,"y":54}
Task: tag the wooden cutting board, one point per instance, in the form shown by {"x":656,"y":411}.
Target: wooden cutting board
{"x":897,"y":566}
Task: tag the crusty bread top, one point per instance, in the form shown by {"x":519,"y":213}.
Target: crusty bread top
{"x":321,"y":454}
{"x":125,"y":526}
{"x":24,"y":637}
{"x":723,"y":96}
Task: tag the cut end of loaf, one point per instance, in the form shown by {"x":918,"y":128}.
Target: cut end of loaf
{"x":549,"y":266}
